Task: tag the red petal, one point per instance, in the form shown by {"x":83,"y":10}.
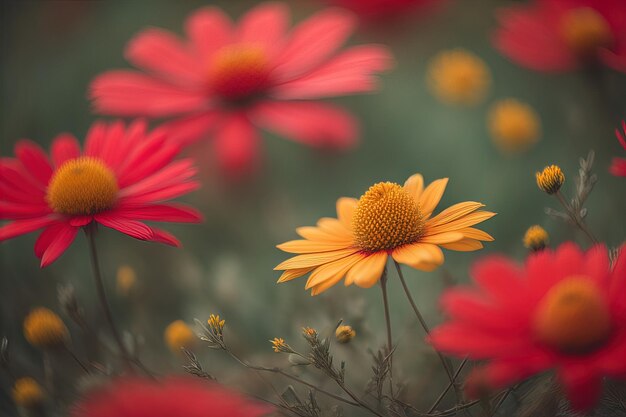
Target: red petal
{"x":209,"y":29}
{"x":131,"y":228}
{"x":237,"y":146}
{"x":314,"y":124}
{"x":54,"y":241}
{"x":21,"y":227}
{"x":34,"y":160}
{"x":64,"y":147}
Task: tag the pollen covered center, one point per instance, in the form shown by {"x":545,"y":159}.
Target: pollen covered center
{"x":386,"y":217}
{"x":239,"y":72}
{"x":82,"y":186}
{"x":585,"y":30}
{"x":573,"y":317}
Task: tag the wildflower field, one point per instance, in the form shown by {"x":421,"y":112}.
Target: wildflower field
{"x":315,"y":208}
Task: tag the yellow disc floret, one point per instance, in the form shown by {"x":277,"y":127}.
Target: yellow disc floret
{"x":514,"y":126}
{"x":535,"y":238}
{"x":27,"y":393}
{"x":573,"y":317}
{"x":239,"y":71}
{"x":82,"y":186}
{"x":585,"y":30}
{"x":550,"y":179}
{"x":43,"y":328}
{"x":178,"y":335}
{"x":458,"y":77}
{"x":386,"y":217}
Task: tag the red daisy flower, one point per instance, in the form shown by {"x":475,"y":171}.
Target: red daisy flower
{"x":562,"y":35}
{"x":618,"y":167}
{"x":227,"y":79}
{"x":564,"y":310}
{"x":377,"y":9}
{"x":122,"y":176}
{"x":174,"y":396}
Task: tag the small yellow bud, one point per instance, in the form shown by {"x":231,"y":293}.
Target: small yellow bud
{"x":178,"y":335}
{"x":514,"y":126}
{"x":344,"y":334}
{"x":458,"y":77}
{"x":126,"y":279}
{"x":550,"y":179}
{"x":27,"y":393}
{"x":215,"y":324}
{"x":43,"y":328}
{"x":536,"y":238}
{"x":309,"y":332}
{"x":279,"y":345}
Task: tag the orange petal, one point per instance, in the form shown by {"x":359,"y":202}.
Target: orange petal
{"x":439,"y":238}
{"x":431,"y":196}
{"x":462,"y":223}
{"x":345,"y":210}
{"x":418,"y":253}
{"x":472,"y":233}
{"x":293,"y":274}
{"x":465,"y":245}
{"x":414,"y":186}
{"x":317,"y":234}
{"x":310,"y":260}
{"x":368,"y":270}
{"x":455,"y":212}
{"x":333,"y":226}
{"x":309,"y":246}
{"x":333,"y":271}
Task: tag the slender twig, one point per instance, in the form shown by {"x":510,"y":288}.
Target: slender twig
{"x":104,"y":304}
{"x":575,"y":217}
{"x":420,"y":318}
{"x":450,"y":385}
{"x":76,"y":359}
{"x":292,"y":377}
{"x":383,"y":287}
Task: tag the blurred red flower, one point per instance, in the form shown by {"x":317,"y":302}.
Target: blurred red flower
{"x":377,"y":9}
{"x":123,"y":175}
{"x":174,"y":396}
{"x":227,"y":79}
{"x":618,"y":167}
{"x":563,"y":310}
{"x":563,"y":35}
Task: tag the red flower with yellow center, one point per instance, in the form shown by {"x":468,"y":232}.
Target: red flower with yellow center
{"x":227,"y":79}
{"x":563,"y":310}
{"x":124,"y":175}
{"x":388,"y":220}
{"x":563,"y":35}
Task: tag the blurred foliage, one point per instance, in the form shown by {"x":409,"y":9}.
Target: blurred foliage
{"x":52,"y":49}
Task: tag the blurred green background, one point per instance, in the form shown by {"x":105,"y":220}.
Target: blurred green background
{"x":52,"y":49}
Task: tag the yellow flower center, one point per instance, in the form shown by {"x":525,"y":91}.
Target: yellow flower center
{"x":27,"y":392}
{"x":550,"y":179}
{"x":585,"y":30}
{"x":44,"y":329}
{"x":573,"y":317}
{"x":239,"y":72}
{"x":514,"y":125}
{"x":178,"y":335}
{"x":82,"y":186}
{"x":386,"y":217}
{"x":536,"y":238}
{"x":458,"y":77}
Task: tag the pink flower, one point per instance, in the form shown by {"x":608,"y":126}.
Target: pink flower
{"x":123,"y":176}
{"x":563,"y":310}
{"x":618,"y":167}
{"x":564,"y":35}
{"x":227,"y":79}
{"x":174,"y":396}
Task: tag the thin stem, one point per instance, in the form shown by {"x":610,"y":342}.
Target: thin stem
{"x":292,"y":377}
{"x":383,"y":287}
{"x":500,"y":401}
{"x":575,"y":217}
{"x":76,"y":359}
{"x":420,"y":318}
{"x":104,"y":304}
{"x":450,"y":385}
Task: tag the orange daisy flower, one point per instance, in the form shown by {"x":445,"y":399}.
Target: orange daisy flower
{"x":388,"y":220}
